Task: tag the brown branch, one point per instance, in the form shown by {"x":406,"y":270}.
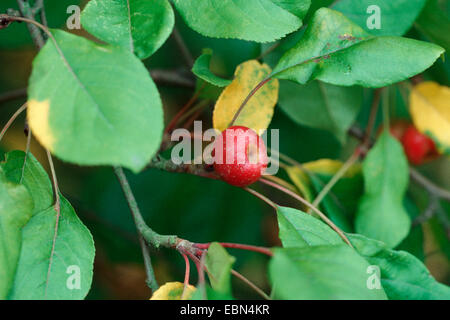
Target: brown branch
{"x":172,"y":78}
{"x":12,"y":95}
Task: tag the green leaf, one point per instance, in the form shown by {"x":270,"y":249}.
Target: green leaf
{"x":16,"y":207}
{"x":321,"y":272}
{"x":296,"y":7}
{"x":219,"y":264}
{"x":403,"y":276}
{"x":201,"y":70}
{"x":258,"y":20}
{"x":335,"y":50}
{"x":55,"y":250}
{"x":298,"y":229}
{"x":31,"y":174}
{"x":396,"y":17}
{"x":94,"y":105}
{"x":433,"y":20}
{"x":138,"y":25}
{"x":321,"y":105}
{"x":52,"y":243}
{"x":210,"y":294}
{"x":381,"y":214}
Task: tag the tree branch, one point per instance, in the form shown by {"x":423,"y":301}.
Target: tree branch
{"x":147,"y":233}
{"x":27,"y":12}
{"x":12,"y":95}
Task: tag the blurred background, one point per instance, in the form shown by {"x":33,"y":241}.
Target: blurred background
{"x":191,"y":207}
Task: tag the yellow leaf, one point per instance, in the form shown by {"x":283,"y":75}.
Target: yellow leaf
{"x":301,"y":181}
{"x":330,"y":167}
{"x":173,"y":291}
{"x":430,"y":111}
{"x":326,"y":167}
{"x":38,"y":112}
{"x":258,"y":112}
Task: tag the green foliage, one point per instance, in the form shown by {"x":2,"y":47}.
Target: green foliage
{"x":219,"y":264}
{"x":396,"y":17}
{"x":321,"y":272}
{"x":51,"y":241}
{"x":433,"y":20}
{"x":336,"y":51}
{"x":381,"y":214}
{"x":299,"y":229}
{"x":31,"y":174}
{"x":201,"y":70}
{"x":259,"y":20}
{"x":100,"y":101}
{"x":52,"y":244}
{"x":139,"y":26}
{"x":16,"y":207}
{"x":321,"y":105}
{"x":97,"y":104}
{"x":403,"y":276}
{"x":340,"y":204}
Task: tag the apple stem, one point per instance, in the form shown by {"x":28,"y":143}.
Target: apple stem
{"x":262,"y":250}
{"x":251,"y":94}
{"x":186,"y":274}
{"x":308,"y":204}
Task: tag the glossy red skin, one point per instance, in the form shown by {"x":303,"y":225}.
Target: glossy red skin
{"x":247,"y":156}
{"x":417,"y":145}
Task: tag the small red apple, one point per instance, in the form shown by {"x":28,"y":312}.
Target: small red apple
{"x":417,"y":146}
{"x":240,"y":156}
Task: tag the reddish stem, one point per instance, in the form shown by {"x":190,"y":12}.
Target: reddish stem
{"x":186,"y":274}
{"x":251,"y":94}
{"x":180,"y":113}
{"x":262,"y":250}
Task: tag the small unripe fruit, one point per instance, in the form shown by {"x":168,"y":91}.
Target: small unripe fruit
{"x":417,"y":146}
{"x":240,"y":156}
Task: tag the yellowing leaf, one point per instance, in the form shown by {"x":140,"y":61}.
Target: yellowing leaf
{"x":329,"y":166}
{"x":38,"y":112}
{"x":301,"y":181}
{"x":258,"y":111}
{"x":173,"y":291}
{"x":430,"y":110}
{"x":326,"y":167}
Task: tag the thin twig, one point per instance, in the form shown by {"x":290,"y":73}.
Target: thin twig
{"x":186,"y":274}
{"x":11,"y":120}
{"x":339,"y":174}
{"x":149,"y":235}
{"x":186,"y":54}
{"x":250,"y":284}
{"x":57,"y":207}
{"x":172,"y":78}
{"x":12,"y":95}
{"x":429,"y":211}
{"x":372,"y":116}
{"x":262,"y":197}
{"x":308,"y":204}
{"x":27,"y":12}
{"x":27,"y":152}
{"x":414,"y":174}
{"x":247,"y":247}
{"x":251,"y":94}
{"x":151,"y":279}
